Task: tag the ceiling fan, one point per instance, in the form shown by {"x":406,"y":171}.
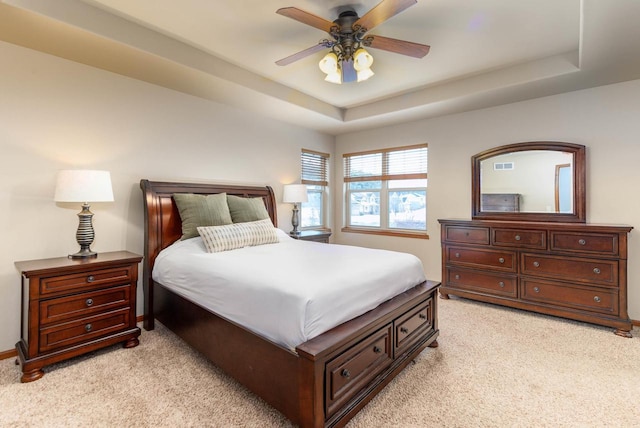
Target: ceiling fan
{"x":348,"y":61}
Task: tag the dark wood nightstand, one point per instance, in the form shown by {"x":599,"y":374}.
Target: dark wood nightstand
{"x":74,"y":306}
{"x":312,"y":235}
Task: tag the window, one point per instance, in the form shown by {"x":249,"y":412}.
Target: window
{"x":314,"y":166}
{"x":386,"y":191}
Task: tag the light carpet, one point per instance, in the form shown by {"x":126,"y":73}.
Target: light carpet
{"x":495,"y":367}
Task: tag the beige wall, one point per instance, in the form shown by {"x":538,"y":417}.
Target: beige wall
{"x":604,"y":119}
{"x":58,"y":114}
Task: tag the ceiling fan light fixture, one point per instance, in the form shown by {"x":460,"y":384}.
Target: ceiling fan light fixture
{"x":365,"y":74}
{"x":329,"y":64}
{"x":362,"y":60}
{"x":335,"y":77}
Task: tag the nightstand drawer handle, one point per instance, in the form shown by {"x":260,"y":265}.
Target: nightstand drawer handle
{"x":517,"y":237}
{"x":596,"y":271}
{"x":596,"y":299}
{"x":422,"y":316}
{"x":536,"y":264}
{"x":501,"y":260}
{"x":404,"y":330}
{"x":346,"y":373}
{"x":90,"y":278}
{"x":582,"y":242}
{"x":536,"y":289}
{"x":501,"y":284}
{"x":377,"y":349}
{"x":89,"y":302}
{"x":88,"y":328}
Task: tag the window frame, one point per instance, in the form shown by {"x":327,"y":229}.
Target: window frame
{"x":314,"y":172}
{"x":416,"y":170}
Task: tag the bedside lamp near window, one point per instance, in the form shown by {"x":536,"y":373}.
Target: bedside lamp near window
{"x":84,"y":186}
{"x":295,"y":194}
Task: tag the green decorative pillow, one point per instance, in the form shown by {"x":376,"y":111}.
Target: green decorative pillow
{"x":238,"y":235}
{"x":246,"y":209}
{"x":201,"y":210}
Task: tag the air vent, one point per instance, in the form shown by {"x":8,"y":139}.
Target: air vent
{"x":503,"y":166}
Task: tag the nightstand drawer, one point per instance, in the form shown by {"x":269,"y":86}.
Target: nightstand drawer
{"x":85,"y":280}
{"x":82,"y":305}
{"x":73,"y":332}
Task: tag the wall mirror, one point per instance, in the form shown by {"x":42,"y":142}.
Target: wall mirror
{"x":534,"y":181}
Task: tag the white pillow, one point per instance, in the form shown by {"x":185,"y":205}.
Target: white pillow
{"x":238,"y":235}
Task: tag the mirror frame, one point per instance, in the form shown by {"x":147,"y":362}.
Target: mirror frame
{"x":579,"y":183}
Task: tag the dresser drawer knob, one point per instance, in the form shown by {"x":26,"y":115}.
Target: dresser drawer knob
{"x":345,"y":373}
{"x":536,"y":264}
{"x":596,"y":299}
{"x":404,"y":330}
{"x":88,"y":328}
{"x":89,"y":302}
{"x":457,"y":254}
{"x":536,"y":289}
{"x":457,"y":276}
{"x":501,"y":260}
{"x":501,"y":284}
{"x":90,"y":278}
{"x":596,"y":271}
{"x":582,"y":242}
{"x":377,"y":349}
{"x":517,"y":237}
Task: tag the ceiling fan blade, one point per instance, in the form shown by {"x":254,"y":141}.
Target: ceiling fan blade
{"x":403,"y":47}
{"x":306,"y":18}
{"x":302,"y":54}
{"x":383,"y":11}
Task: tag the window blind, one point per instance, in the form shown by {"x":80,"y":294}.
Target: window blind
{"x":314,"y":167}
{"x":401,"y":163}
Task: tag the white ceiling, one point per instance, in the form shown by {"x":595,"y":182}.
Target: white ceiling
{"x":483,"y":53}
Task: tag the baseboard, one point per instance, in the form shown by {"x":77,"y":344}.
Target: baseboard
{"x":8,"y":354}
{"x":636,"y":323}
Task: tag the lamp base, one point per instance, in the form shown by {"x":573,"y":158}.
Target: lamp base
{"x":83,"y":254}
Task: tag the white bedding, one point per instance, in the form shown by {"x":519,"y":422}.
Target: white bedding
{"x":287,"y":292}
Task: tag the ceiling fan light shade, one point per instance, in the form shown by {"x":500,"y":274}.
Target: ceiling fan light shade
{"x":335,"y":77}
{"x":365,"y":74}
{"x":362,"y":60}
{"x":329,"y":64}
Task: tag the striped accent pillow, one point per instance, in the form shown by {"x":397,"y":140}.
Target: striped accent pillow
{"x":238,"y":235}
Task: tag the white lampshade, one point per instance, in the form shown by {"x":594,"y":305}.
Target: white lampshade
{"x":295,"y":193}
{"x":329,"y":64}
{"x":362,"y":59}
{"x":365,"y":74}
{"x":83,"y":186}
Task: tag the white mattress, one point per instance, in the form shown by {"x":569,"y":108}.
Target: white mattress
{"x":287,"y":292}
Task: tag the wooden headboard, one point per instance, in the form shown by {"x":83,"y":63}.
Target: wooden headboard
{"x":162,"y":224}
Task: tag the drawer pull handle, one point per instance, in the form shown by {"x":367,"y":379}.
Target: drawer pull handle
{"x":404,"y":330}
{"x":422,"y":316}
{"x":517,"y":237}
{"x":501,"y":260}
{"x":90,"y":278}
{"x":457,"y":276}
{"x":536,"y":264}
{"x":501,"y":284}
{"x":596,"y":299}
{"x":88,"y":328}
{"x":596,"y":271}
{"x":582,"y":242}
{"x":89,"y":302}
{"x":457,"y":254}
{"x":377,"y":349}
{"x":346,"y":373}
{"x":536,"y":289}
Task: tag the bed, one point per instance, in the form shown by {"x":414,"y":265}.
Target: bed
{"x":321,"y":382}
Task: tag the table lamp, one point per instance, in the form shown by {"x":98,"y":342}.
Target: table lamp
{"x":84,"y":186}
{"x":295,"y":194}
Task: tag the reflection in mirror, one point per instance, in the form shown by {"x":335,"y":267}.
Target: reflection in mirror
{"x":528,"y":181}
{"x":535,"y":181}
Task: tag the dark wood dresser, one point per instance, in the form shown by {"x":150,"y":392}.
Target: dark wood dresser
{"x":74,"y":306}
{"x":571,"y":270}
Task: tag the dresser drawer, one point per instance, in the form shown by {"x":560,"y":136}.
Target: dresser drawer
{"x":594,"y":243}
{"x":483,"y":282}
{"x":85,"y":280}
{"x":74,"y":332}
{"x":411,"y":327}
{"x":503,"y":260}
{"x":467,"y":234}
{"x":596,"y":271}
{"x":82,"y":305}
{"x":352,"y":370}
{"x":520,"y":238}
{"x":583,"y":298}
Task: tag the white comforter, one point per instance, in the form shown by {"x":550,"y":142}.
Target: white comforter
{"x":287,"y":292}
